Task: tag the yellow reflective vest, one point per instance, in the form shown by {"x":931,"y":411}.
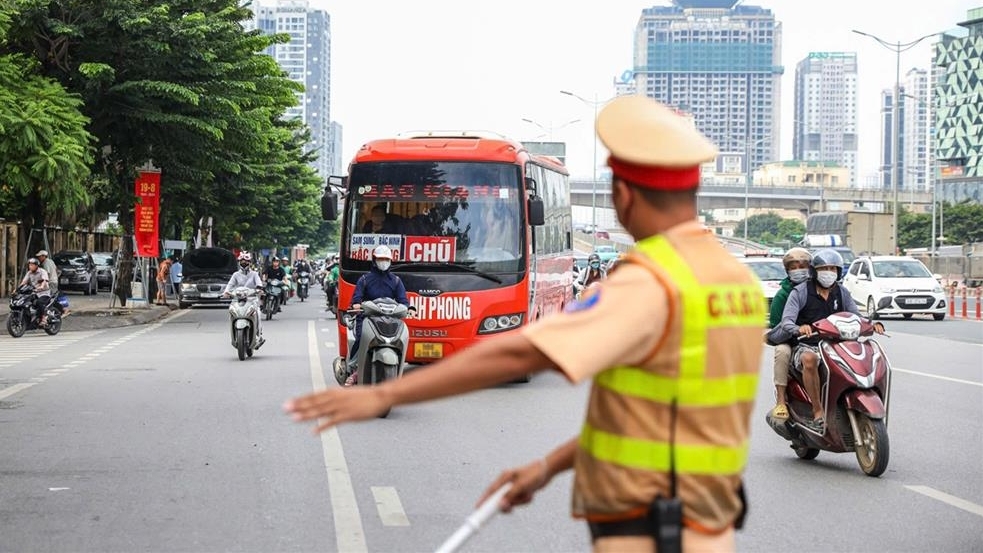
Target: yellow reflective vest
{"x":707,"y":361}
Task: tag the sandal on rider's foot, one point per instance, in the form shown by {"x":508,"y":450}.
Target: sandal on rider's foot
{"x":817,"y":425}
{"x":780,"y":412}
{"x":351,"y":380}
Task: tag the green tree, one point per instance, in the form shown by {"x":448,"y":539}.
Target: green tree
{"x":962,"y":223}
{"x":770,"y":228}
{"x":914,"y":229}
{"x":45,"y":149}
{"x":182,"y":85}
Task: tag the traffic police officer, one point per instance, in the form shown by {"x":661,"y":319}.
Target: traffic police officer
{"x":674,"y":350}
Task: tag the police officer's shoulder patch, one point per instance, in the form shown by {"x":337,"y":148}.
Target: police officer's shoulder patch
{"x":584,"y":304}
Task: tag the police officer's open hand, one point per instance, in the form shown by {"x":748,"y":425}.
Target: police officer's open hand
{"x":526,"y":481}
{"x":338,"y":405}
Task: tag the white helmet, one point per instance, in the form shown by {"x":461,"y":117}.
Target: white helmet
{"x":245,"y":256}
{"x":382,"y":252}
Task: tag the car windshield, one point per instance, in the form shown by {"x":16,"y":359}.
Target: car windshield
{"x":102,"y":258}
{"x":210,"y":259}
{"x":437,"y":212}
{"x":906,"y":268}
{"x":64,"y":259}
{"x":768,"y":270}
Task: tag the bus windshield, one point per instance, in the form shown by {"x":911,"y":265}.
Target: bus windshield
{"x":436,"y":215}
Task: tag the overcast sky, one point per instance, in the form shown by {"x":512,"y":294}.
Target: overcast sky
{"x":400,"y":65}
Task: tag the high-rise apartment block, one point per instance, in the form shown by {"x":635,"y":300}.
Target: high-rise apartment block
{"x":721,"y":62}
{"x":306,"y":59}
{"x":959,"y":111}
{"x":825,"y":124}
{"x":916,"y":138}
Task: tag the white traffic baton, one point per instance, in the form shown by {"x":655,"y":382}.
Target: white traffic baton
{"x":475,"y":521}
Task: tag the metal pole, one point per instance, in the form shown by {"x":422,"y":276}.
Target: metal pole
{"x":747,"y":181}
{"x":593,"y":196}
{"x":895,"y":138}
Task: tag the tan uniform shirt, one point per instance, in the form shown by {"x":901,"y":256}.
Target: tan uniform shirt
{"x":624,"y":319}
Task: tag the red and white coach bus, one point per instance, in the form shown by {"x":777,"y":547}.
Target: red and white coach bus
{"x":480,"y":228}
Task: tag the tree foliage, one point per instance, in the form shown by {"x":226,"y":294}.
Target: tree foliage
{"x":182,"y":85}
{"x":45,"y":149}
{"x":961,"y":223}
{"x":771,"y":229}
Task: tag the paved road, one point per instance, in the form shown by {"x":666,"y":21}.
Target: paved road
{"x":156,"y":438}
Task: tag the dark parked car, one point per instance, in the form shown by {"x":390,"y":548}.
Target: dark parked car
{"x":105,"y":264}
{"x":204,"y":274}
{"x":76,"y":271}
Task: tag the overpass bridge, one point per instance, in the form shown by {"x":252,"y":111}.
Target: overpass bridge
{"x":806,"y":199}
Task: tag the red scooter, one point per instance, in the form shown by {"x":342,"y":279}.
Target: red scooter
{"x":855,"y":384}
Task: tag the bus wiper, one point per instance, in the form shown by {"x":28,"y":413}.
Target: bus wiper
{"x":452,"y":266}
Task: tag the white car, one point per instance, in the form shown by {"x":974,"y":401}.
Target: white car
{"x":770,"y":271}
{"x":895,"y":285}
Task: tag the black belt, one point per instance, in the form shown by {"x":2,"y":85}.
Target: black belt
{"x":629,"y":527}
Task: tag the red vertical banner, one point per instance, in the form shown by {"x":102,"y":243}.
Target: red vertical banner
{"x":147,"y":214}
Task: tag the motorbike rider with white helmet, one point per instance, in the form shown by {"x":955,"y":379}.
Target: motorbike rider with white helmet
{"x":248,"y":278}
{"x":379,"y":282}
{"x":796,"y":262}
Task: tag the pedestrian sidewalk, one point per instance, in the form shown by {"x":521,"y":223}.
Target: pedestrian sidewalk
{"x":94,"y":312}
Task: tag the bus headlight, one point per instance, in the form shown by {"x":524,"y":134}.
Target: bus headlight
{"x":499,"y":323}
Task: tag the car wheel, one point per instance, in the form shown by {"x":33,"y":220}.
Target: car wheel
{"x":938,"y":316}
{"x":871,"y":312}
{"x":907,"y":315}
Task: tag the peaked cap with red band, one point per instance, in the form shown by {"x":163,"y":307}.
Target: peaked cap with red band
{"x":651,"y":145}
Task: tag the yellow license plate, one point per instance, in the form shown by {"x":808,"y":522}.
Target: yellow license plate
{"x":429,"y":350}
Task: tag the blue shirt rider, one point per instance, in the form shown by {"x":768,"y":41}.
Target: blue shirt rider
{"x":375,"y":284}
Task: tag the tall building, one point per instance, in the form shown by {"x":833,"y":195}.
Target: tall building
{"x":825,"y":125}
{"x":959,"y":111}
{"x":721,"y":62}
{"x":916,"y":141}
{"x":306,"y":59}
{"x":887,"y":167}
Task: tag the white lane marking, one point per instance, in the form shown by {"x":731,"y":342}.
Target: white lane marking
{"x":58,"y":489}
{"x":16,"y":388}
{"x":349,"y":534}
{"x":958,"y":380}
{"x":950,"y":499}
{"x":390,"y":508}
{"x":329,"y":345}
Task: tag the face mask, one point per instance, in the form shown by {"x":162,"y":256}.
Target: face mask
{"x":826,"y":278}
{"x":798,"y":275}
{"x":383,"y":264}
{"x":244,"y":266}
{"x":595,"y":265}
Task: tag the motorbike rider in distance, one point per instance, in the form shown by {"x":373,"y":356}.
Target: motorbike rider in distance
{"x":379,"y":282}
{"x":811,"y":301}
{"x":38,"y":278}
{"x":593,"y":272}
{"x":796,"y":262}
{"x":248,"y":278}
{"x":275,"y":272}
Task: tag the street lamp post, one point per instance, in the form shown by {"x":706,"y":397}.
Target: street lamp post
{"x":593,"y":196}
{"x":897,"y":48}
{"x":747,"y":178}
{"x":549,"y":131}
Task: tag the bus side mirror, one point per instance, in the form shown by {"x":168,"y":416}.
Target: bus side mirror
{"x":329,"y":205}
{"x":536,"y":210}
